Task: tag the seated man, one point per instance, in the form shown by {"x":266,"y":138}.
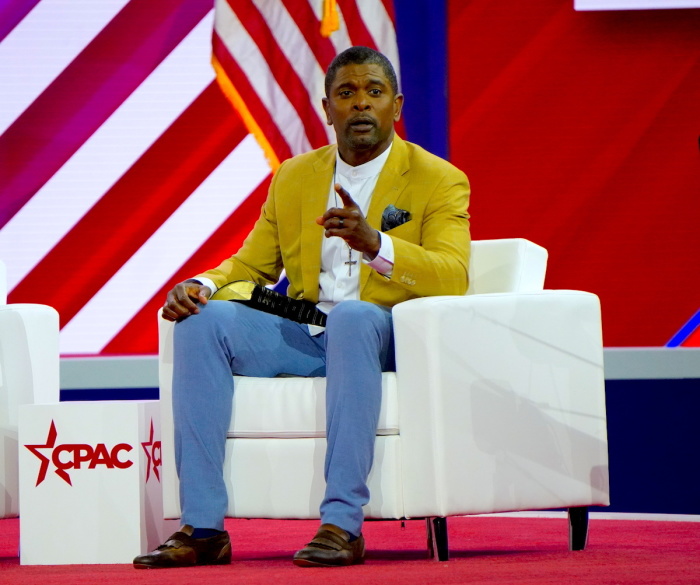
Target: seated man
{"x":396,"y":227}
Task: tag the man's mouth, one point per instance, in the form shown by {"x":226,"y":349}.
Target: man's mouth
{"x":362,"y":124}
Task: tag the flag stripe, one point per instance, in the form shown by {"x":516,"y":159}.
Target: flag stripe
{"x":357,"y":30}
{"x":137,"y":205}
{"x":322,"y":48}
{"x":139,"y":335}
{"x":382,"y":29}
{"x":143,"y":274}
{"x":300,"y":57}
{"x":114,"y":147}
{"x":256,"y":69}
{"x":340,"y":39}
{"x":285,"y":75}
{"x":253,"y":101}
{"x":88,"y":92}
{"x":12,"y":12}
{"x":389,"y":9}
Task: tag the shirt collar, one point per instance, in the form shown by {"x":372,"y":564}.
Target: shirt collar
{"x":364,"y":171}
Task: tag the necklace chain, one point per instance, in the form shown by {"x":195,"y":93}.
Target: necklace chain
{"x":350,"y":262}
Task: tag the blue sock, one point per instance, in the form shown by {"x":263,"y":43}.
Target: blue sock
{"x":205,"y":533}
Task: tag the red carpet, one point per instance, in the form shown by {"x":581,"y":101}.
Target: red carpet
{"x":494,"y":550}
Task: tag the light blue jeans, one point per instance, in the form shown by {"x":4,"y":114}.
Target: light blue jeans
{"x":228,"y":337}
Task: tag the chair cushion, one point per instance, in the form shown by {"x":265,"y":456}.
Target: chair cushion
{"x":296,"y":407}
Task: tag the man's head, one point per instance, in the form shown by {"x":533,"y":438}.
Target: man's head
{"x":361,"y":56}
{"x":362,"y":103}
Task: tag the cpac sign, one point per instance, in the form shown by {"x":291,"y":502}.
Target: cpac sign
{"x":70,"y":456}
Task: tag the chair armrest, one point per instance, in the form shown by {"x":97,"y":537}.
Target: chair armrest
{"x":29,"y":355}
{"x":29,"y":364}
{"x":498,"y":392}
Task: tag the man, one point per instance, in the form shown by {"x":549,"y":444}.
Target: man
{"x":396,"y":227}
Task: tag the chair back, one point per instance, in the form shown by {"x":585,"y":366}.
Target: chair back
{"x":507,"y":265}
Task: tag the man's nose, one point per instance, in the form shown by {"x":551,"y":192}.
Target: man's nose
{"x":361,"y":102}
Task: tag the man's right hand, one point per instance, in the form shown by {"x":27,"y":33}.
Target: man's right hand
{"x":181,"y":301}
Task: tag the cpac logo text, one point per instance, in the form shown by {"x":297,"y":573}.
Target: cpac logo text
{"x":152,"y":449}
{"x":71,"y":456}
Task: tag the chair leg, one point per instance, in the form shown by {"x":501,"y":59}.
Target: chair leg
{"x":578,"y":528}
{"x":437,"y":538}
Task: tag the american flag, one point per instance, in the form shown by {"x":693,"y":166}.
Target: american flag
{"x":128,"y":162}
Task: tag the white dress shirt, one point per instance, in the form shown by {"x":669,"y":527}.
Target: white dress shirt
{"x":338,"y":281}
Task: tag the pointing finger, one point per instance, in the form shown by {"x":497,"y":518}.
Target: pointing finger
{"x":345,"y":196}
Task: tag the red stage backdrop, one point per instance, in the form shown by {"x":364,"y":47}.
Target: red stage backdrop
{"x":579,"y":131}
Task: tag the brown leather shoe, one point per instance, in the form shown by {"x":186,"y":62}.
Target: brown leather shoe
{"x":331,"y":547}
{"x":181,"y":550}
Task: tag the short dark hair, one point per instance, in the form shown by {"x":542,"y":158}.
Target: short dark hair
{"x":361,"y":56}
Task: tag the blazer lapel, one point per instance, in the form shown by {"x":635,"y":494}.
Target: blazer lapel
{"x":391,"y":183}
{"x":315,"y":187}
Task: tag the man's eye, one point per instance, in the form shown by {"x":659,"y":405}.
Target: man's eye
{"x":345,"y":93}
{"x":375,"y":92}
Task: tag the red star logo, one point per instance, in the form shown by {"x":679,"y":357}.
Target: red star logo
{"x":50,"y":443}
{"x":152,"y":450}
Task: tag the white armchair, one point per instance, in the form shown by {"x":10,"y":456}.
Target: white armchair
{"x":497,"y":405}
{"x":29,"y":362}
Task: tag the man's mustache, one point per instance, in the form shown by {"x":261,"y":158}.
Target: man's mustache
{"x":362,"y":120}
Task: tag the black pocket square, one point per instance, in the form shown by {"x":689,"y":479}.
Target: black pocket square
{"x":394,"y":217}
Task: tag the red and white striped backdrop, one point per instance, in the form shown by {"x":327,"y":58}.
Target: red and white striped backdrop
{"x":123,"y":166}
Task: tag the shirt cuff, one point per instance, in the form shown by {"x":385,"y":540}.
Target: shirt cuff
{"x":384,"y":261}
{"x":207,"y":282}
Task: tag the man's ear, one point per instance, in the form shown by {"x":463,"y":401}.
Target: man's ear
{"x":327,"y":108}
{"x":398,"y":105}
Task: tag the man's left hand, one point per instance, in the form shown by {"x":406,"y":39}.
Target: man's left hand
{"x":349,"y":223}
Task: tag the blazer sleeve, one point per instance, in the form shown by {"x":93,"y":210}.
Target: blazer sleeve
{"x":437,"y":264}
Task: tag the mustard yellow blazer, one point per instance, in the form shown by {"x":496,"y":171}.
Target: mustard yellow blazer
{"x":431,"y":249}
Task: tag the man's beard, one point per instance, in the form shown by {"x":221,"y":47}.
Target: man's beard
{"x":363,"y":141}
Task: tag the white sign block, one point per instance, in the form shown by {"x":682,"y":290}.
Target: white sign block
{"x":90,"y":482}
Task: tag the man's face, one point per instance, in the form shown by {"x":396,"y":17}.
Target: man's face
{"x":362,"y":109}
